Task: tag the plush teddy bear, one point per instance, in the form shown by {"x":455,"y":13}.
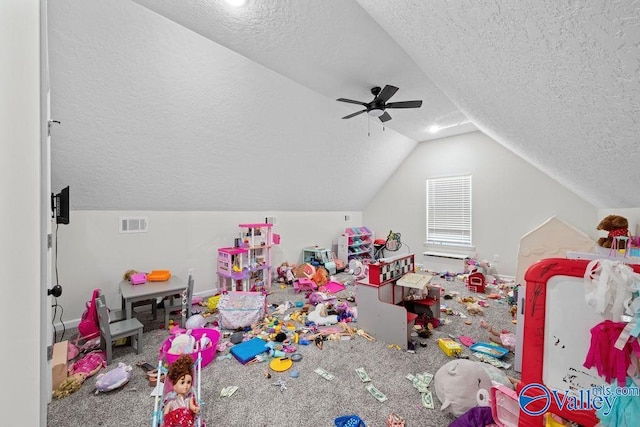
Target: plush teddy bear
{"x":617,"y":226}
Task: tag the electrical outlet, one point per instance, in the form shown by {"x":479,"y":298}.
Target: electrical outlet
{"x":496,"y":258}
{"x":347,"y":217}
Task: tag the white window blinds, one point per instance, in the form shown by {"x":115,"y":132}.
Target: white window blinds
{"x":449,"y":211}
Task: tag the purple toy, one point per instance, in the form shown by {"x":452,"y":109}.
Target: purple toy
{"x":113,"y":379}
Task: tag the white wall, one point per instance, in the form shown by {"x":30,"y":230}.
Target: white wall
{"x":510,"y":197}
{"x":21,"y":354}
{"x":92,"y":254}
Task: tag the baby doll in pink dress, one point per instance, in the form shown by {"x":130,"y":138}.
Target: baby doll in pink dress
{"x":180,"y":407}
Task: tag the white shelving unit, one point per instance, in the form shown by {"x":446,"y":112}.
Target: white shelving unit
{"x":356,"y":243}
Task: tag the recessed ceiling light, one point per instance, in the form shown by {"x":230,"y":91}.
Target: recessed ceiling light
{"x":235,"y":3}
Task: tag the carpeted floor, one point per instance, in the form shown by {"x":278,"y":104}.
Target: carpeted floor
{"x":308,"y":400}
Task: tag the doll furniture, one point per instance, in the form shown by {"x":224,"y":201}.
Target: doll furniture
{"x":258,"y":239}
{"x":233,"y":269}
{"x":304,"y":285}
{"x":248,"y":263}
{"x":110,"y":332}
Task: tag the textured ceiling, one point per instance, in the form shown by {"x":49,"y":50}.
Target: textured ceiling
{"x":557,"y":82}
{"x":196,"y":105}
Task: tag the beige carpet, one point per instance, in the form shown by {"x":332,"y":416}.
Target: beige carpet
{"x":309,"y":399}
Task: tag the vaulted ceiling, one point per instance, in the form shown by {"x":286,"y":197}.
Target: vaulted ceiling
{"x":198,"y":105}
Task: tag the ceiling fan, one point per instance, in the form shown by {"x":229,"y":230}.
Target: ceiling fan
{"x":377,"y":107}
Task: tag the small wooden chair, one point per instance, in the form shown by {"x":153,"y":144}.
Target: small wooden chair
{"x":175,"y":303}
{"x":110,"y":332}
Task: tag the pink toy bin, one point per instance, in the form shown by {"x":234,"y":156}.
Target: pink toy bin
{"x":208,"y":354}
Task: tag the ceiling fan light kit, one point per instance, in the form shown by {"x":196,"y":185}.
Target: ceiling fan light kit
{"x":378,"y":106}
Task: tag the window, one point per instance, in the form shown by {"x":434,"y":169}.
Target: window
{"x":449,"y":211}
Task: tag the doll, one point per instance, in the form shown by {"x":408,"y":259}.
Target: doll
{"x":180,"y":408}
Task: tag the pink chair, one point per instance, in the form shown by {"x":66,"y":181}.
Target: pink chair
{"x":304,"y":284}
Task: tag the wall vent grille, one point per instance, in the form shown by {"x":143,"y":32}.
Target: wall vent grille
{"x":132,"y":224}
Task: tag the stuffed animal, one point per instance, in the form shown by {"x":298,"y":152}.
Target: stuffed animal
{"x":617,"y":226}
{"x":115,"y":378}
{"x":197,"y":321}
{"x":183,"y":344}
{"x":463,"y":384}
{"x":319,"y":316}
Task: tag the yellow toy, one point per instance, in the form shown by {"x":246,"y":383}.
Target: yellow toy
{"x":449,"y":346}
{"x":70,"y":385}
{"x":212,"y":302}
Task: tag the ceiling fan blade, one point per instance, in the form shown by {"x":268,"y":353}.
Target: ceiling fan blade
{"x":386,"y":93}
{"x":405,"y":104}
{"x":385,"y":117}
{"x":351,"y":101}
{"x":354,"y":114}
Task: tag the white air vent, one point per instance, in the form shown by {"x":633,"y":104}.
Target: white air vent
{"x":138,"y":224}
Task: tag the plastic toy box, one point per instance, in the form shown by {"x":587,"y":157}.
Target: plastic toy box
{"x":449,"y":346}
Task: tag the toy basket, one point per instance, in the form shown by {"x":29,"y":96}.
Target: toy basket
{"x":159,"y":276}
{"x":241,"y":309}
{"x":208,"y":354}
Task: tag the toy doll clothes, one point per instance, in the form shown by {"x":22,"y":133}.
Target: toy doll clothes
{"x":179,"y":415}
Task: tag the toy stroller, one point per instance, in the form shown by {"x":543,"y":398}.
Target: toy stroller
{"x":180,"y":403}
